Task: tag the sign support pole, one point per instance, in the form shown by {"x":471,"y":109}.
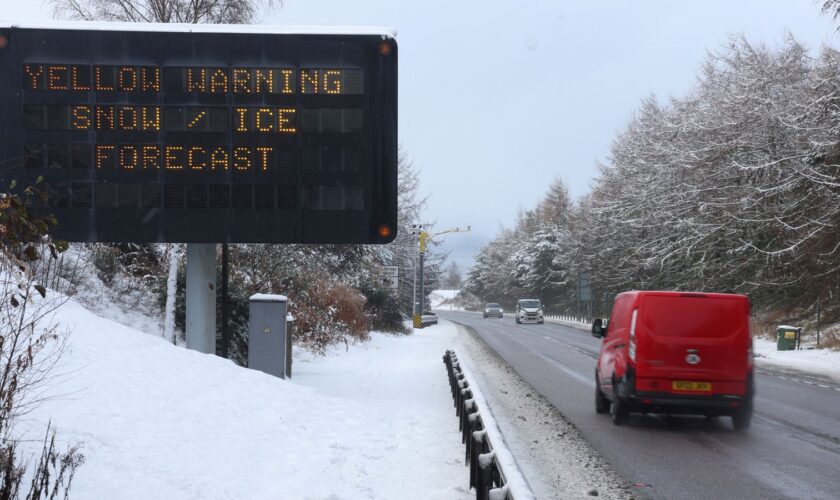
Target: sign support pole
{"x":225,"y":326}
{"x":818,"y":321}
{"x":418,"y":312}
{"x":201,"y":297}
{"x":422,"y":291}
{"x":422,"y":285}
{"x":414,"y":289}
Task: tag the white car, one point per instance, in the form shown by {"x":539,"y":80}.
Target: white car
{"x":529,"y":311}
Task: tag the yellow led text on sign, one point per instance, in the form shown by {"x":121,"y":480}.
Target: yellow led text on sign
{"x":266,"y":119}
{"x":193,"y":80}
{"x":127,"y":118}
{"x":80,"y":78}
{"x":146,"y":157}
{"x":313,"y":81}
{"x":269,"y":81}
{"x":185,"y":137}
{"x":239,"y":80}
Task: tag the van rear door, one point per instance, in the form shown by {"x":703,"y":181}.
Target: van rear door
{"x":693,"y":337}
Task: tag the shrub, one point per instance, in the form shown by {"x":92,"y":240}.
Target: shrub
{"x":328,"y":313}
{"x":383,"y":309}
{"x":28,"y":348}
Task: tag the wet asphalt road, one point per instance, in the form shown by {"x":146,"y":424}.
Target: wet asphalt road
{"x":792,"y":449}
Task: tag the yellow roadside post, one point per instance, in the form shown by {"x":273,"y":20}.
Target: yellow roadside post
{"x":423,"y":238}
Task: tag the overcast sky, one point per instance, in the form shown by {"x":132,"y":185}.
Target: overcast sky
{"x":499,"y":98}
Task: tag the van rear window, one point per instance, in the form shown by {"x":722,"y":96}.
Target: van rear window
{"x":692,"y":316}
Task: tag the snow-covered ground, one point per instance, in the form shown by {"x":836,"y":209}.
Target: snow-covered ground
{"x":120,"y":300}
{"x":823,"y":362}
{"x":158,"y":421}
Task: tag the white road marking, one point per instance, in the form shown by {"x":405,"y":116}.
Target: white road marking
{"x":799,"y":380}
{"x":576,"y":375}
{"x":560,"y":366}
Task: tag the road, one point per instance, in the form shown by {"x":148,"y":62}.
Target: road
{"x":792,"y":449}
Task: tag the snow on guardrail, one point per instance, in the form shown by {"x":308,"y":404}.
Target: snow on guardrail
{"x":494,"y":472}
{"x":580,"y":322}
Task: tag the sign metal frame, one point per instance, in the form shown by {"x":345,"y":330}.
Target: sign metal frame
{"x":336,"y":181}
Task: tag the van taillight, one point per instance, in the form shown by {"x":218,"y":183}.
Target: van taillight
{"x":631,"y":349}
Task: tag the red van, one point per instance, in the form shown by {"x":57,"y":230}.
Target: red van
{"x":676,"y":352}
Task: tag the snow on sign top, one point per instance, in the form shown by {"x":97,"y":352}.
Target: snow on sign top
{"x":268,"y":297}
{"x":385,"y":32}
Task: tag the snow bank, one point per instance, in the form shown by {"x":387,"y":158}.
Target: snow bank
{"x":159,"y":421}
{"x":818,"y":361}
{"x":123,"y":300}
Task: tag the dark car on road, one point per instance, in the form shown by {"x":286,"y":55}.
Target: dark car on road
{"x":493,"y":309}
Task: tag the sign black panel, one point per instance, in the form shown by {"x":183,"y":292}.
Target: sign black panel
{"x":167,"y":136}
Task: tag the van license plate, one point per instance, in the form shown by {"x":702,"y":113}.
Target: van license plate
{"x":679,"y":385}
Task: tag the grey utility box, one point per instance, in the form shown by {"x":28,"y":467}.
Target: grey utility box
{"x":269,"y":346}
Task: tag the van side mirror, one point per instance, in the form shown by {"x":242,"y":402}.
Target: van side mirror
{"x":598,"y":330}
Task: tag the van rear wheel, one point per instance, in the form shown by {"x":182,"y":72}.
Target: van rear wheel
{"x":743,"y":416}
{"x":618,"y":408}
{"x":618,"y":411}
{"x":602,"y":403}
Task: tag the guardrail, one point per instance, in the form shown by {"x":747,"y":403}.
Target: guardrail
{"x":486,"y":474}
{"x":571,"y":319}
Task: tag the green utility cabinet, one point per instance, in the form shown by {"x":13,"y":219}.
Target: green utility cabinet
{"x":787,"y":337}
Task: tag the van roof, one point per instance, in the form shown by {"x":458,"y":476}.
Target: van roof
{"x":643,"y":293}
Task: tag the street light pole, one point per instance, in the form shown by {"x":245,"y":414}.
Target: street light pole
{"x":422,"y":270}
{"x":414,"y":286}
{"x":423,"y":238}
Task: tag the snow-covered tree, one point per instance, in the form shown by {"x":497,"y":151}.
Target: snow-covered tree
{"x":731,"y":187}
{"x":160,"y":11}
{"x":452,"y":277}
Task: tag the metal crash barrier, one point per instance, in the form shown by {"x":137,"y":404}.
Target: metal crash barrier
{"x":486,"y":473}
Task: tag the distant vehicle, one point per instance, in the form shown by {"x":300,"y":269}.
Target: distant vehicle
{"x":529,"y":310}
{"x":673,"y":352}
{"x":493,"y":309}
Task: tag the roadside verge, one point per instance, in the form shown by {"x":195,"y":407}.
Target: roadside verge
{"x":555,"y":459}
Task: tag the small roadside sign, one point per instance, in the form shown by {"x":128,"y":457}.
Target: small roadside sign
{"x":390,"y":276}
{"x":584,"y":288}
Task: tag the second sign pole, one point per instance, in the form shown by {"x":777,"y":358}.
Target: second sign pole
{"x":201,"y":297}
